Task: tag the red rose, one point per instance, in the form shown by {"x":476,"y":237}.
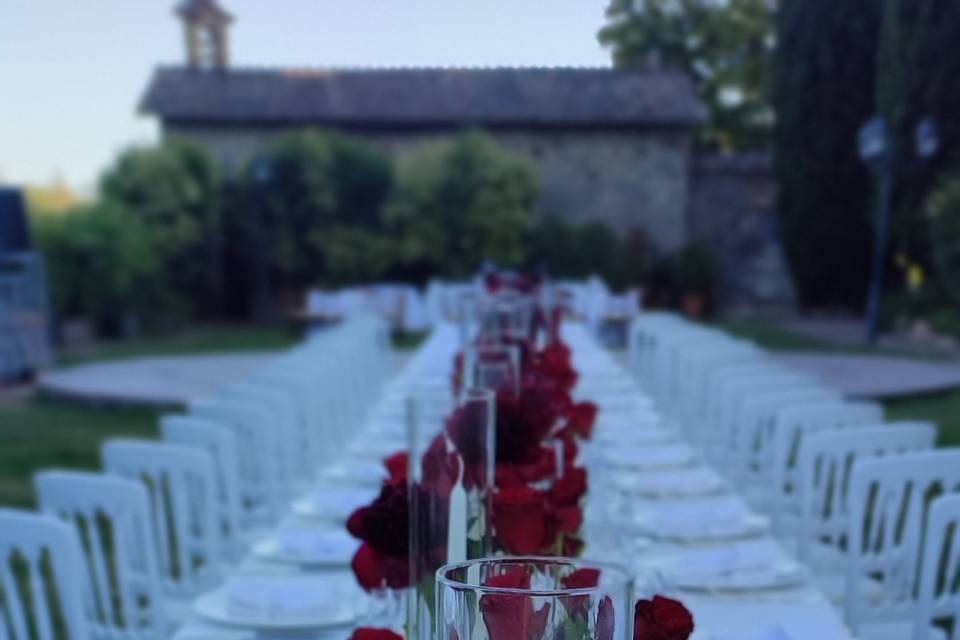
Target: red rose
{"x":510,"y":616}
{"x":606,"y":620}
{"x":368,"y":633}
{"x":543,"y":468}
{"x":568,"y":490}
{"x":375,"y":570}
{"x":441,"y":468}
{"x":525,"y":521}
{"x":397,"y":466}
{"x":581,"y":579}
{"x":572,"y":546}
{"x":581,"y":418}
{"x":384,"y":523}
{"x":661,"y":619}
{"x":520,"y":519}
{"x":578,"y":606}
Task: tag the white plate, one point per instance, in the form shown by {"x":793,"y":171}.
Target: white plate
{"x":703,"y":520}
{"x":774,"y":632}
{"x":363,"y":473}
{"x":651,"y":457}
{"x":637,"y":436}
{"x":332,"y":609}
{"x":318,"y":548}
{"x":335,"y":504}
{"x":784,"y":575}
{"x":659,"y":485}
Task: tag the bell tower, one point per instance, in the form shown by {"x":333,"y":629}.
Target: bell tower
{"x":206,"y":29}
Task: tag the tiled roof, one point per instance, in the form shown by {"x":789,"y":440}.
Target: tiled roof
{"x":425,"y":97}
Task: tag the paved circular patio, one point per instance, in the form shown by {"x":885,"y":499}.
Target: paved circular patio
{"x":170,"y":381}
{"x":865,"y":376}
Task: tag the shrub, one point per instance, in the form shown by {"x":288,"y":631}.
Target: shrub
{"x":943,"y":211}
{"x":314,"y":204}
{"x":461,"y":202}
{"x":174,"y":190}
{"x":102,"y":265}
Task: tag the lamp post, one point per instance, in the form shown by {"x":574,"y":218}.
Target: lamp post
{"x":262,"y":176}
{"x":879,"y":153}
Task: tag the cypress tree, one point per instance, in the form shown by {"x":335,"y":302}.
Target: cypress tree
{"x":824,"y":93}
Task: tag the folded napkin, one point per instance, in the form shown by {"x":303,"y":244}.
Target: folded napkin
{"x":276,"y":600}
{"x":339,"y":503}
{"x":709,"y":562}
{"x":683,"y":482}
{"x":320,"y":546}
{"x":774,"y":632}
{"x":702,"y":519}
{"x":670,"y":455}
{"x":358,"y":472}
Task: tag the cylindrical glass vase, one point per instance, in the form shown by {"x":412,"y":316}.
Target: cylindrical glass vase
{"x":449,"y":488}
{"x":533,"y":598}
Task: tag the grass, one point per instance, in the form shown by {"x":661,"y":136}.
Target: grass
{"x":942,"y":409}
{"x":37,"y":433}
{"x":196,"y":340}
{"x":772,"y":337}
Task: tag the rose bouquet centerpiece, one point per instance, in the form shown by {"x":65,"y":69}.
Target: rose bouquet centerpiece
{"x":536,"y":598}
{"x":502,"y":475}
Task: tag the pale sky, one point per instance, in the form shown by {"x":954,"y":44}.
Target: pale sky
{"x":72,"y":71}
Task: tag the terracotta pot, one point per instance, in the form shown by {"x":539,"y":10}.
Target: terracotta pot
{"x":694,"y":305}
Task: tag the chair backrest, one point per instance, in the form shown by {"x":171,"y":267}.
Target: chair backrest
{"x":792,"y":425}
{"x":823,"y":475}
{"x":182,"y":493}
{"x":221,"y":443}
{"x":283,"y":418}
{"x":40,"y":555}
{"x":257,"y":456}
{"x":888,"y":504}
{"x":752,"y":443}
{"x":112,"y":519}
{"x":939,"y":588}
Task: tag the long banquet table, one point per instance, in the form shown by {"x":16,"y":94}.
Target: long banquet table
{"x":800,"y":612}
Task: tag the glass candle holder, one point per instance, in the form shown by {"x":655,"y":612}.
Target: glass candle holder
{"x":534,"y":598}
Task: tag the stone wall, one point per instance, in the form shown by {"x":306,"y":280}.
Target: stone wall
{"x":732,"y":211}
{"x":625,"y":179}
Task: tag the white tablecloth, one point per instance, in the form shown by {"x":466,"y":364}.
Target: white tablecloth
{"x":802,"y":613}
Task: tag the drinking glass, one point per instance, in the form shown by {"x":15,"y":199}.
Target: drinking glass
{"x":534,"y":598}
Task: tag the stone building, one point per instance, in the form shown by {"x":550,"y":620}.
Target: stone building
{"x":610,"y":145}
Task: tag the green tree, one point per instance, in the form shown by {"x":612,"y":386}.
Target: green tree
{"x":174,"y":190}
{"x":313,"y":214}
{"x":102,"y":264}
{"x":460,"y":202}
{"x":917,"y":67}
{"x":726,"y":47}
{"x":824,"y":93}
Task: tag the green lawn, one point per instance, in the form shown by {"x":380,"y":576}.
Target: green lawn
{"x":37,"y":434}
{"x":203,"y":339}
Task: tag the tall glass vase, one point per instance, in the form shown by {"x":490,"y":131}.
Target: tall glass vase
{"x":534,"y":598}
{"x":450,"y":479}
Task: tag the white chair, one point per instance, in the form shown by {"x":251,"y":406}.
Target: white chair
{"x":35,"y":548}
{"x":182,"y":492}
{"x":220,"y":442}
{"x":257,"y":457}
{"x":112,"y":517}
{"x":791,"y":427}
{"x":939,"y":597}
{"x":751,"y":452}
{"x":826,"y":460}
{"x":888,"y":505}
{"x":284,"y":419}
